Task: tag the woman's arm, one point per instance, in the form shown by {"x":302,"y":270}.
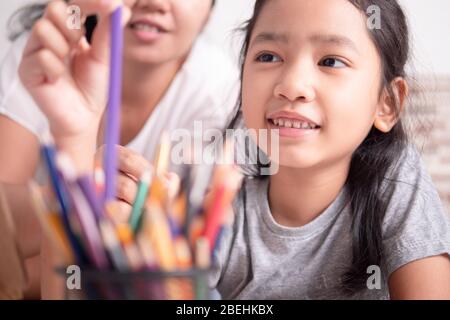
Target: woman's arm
{"x":19,"y":159}
{"x":424,"y":279}
{"x":19,"y":154}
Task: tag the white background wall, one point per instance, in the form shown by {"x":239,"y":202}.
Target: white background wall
{"x":429,"y":20}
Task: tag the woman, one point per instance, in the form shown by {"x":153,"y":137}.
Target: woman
{"x":171,"y":78}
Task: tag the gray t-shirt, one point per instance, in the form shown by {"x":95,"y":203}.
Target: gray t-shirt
{"x":259,"y":259}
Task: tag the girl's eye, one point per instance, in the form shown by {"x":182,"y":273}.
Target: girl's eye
{"x":268,"y":58}
{"x":332,"y":63}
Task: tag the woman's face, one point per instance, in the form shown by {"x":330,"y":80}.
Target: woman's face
{"x":163,"y":30}
{"x":313,"y":72}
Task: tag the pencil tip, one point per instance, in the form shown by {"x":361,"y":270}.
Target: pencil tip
{"x":65,"y":164}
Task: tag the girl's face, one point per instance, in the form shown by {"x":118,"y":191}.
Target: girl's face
{"x":313,"y":72}
{"x":163,"y":30}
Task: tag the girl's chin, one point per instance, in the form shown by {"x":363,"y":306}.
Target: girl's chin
{"x":294,"y":166}
{"x":294,"y":161}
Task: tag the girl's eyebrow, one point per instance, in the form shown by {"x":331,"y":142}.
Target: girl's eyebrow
{"x":270,"y":37}
{"x":334,"y":39}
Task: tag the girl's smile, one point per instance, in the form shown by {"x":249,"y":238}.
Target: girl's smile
{"x":292,"y":125}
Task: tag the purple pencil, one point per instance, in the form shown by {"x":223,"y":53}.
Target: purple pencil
{"x":114,"y":102}
{"x":86,"y":184}
{"x":92,"y":237}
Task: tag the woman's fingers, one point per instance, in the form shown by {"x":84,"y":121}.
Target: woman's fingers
{"x":126,"y":188}
{"x":51,"y":31}
{"x":45,"y":35}
{"x":121,"y":213}
{"x":100,"y":7}
{"x":58,"y":13}
{"x":100,"y":47}
{"x":41,"y":67}
{"x":132,"y":163}
{"x":56,"y":16}
{"x":47,"y":48}
{"x":129,"y":162}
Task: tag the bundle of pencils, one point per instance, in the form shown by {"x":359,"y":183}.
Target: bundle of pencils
{"x":174,"y":225}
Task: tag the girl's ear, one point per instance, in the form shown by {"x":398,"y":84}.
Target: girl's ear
{"x":390,"y":108}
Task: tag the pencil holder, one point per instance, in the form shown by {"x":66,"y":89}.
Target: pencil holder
{"x":145,"y":285}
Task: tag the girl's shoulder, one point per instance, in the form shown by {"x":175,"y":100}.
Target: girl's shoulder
{"x":416,"y":224}
{"x":409,"y":173}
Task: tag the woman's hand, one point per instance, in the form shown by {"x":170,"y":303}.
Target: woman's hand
{"x":68,"y":77}
{"x":131,"y":167}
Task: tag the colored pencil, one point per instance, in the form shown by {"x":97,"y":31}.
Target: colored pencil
{"x":114,"y":103}
{"x":139,"y":201}
{"x":85,"y":214}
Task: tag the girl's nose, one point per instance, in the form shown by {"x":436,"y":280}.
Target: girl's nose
{"x":161,"y":6}
{"x":293,"y":86}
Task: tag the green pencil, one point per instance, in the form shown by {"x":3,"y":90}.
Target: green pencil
{"x":139,"y":201}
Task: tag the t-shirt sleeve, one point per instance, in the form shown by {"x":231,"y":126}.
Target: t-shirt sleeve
{"x":221,"y":252}
{"x":416,"y":226}
{"x":15,"y":101}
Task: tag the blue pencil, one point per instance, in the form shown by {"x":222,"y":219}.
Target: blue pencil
{"x":48,"y":154}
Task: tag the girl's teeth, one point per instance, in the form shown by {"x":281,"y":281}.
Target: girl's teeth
{"x":289,"y":123}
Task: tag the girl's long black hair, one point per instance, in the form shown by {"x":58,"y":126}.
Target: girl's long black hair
{"x":378,"y":153}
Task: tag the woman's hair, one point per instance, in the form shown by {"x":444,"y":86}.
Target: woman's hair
{"x":24,"y":18}
{"x":377,"y":154}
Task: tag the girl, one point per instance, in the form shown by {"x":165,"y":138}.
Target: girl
{"x":172,"y":77}
{"x":351,"y":212}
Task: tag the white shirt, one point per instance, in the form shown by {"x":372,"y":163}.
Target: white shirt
{"x":205,"y":89}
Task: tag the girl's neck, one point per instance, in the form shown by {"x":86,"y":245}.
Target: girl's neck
{"x":298,"y":196}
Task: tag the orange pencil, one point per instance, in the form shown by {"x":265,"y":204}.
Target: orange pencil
{"x":145,"y":246}
{"x":157,"y":227}
{"x":51,"y":223}
{"x":183,"y":253}
{"x":216,"y":213}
